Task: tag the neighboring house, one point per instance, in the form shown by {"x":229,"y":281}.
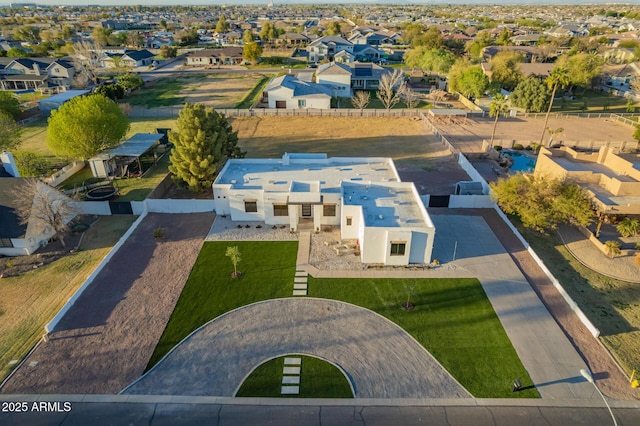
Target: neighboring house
{"x":36,"y":73}
{"x":224,"y":56}
{"x":363,"y":196}
{"x":344,"y":57}
{"x":366,"y":76}
{"x":327,"y":47}
{"x":337,"y":76}
{"x":157,"y":42}
{"x":294,"y":39}
{"x":129,"y":58}
{"x":612,"y":179}
{"x":290,"y":92}
{"x":366,"y":53}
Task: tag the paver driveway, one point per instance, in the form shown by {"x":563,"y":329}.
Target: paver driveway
{"x":382,"y":360}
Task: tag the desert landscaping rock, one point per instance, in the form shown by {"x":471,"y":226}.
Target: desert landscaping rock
{"x":381,"y":359}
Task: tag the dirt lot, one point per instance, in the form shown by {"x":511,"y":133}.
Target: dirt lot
{"x":105,"y":340}
{"x":418,"y":156}
{"x":219,"y":90}
{"x":468,"y":137}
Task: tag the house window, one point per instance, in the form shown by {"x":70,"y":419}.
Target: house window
{"x":329,"y":210}
{"x":251,"y":206}
{"x":6,"y":242}
{"x":398,"y":248}
{"x":349,"y":220}
{"x":280,"y":210}
{"x":302,"y":103}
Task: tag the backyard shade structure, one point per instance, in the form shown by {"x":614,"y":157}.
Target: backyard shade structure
{"x":102,"y":166}
{"x":448,"y":115}
{"x":56,"y":101}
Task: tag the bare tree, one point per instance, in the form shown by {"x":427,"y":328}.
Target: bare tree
{"x":388,"y":91}
{"x":45,"y":207}
{"x":409,"y":96}
{"x":87,"y":59}
{"x":439,"y":95}
{"x":361,"y":99}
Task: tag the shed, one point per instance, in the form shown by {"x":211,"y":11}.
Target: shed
{"x":105,"y":164}
{"x":56,"y":101}
{"x":469,"y":188}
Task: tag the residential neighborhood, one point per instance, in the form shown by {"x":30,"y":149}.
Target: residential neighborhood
{"x":260,"y":210}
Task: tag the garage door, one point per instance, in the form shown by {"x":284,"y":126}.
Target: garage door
{"x":281,"y":104}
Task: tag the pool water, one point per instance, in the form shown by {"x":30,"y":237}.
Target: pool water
{"x":521,"y":163}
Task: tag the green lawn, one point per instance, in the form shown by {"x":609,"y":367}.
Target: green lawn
{"x":452,"y":319}
{"x":318,"y":379}
{"x":268,"y":270}
{"x":163,"y":92}
{"x":256,"y":92}
{"x":137,"y":188}
{"x":591,"y":101}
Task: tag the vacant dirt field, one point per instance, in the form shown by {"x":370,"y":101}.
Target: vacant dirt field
{"x":219,"y":90}
{"x":419,"y":157}
{"x":586,"y":131}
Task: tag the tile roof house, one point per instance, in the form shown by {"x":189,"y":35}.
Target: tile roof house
{"x":224,"y":56}
{"x":362,"y":196}
{"x":129,"y":58}
{"x":36,"y":73}
{"x":327,"y":47}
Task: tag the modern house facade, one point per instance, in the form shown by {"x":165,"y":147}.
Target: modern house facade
{"x":291,"y":92}
{"x":363,"y":196}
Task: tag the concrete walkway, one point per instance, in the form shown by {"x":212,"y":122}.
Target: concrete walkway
{"x":382,"y":360}
{"x":620,"y":268}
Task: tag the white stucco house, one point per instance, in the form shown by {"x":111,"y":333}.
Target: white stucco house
{"x":337,"y":76}
{"x":363,"y":196}
{"x":291,"y":92}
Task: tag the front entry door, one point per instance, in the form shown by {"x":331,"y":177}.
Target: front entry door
{"x":306,"y":210}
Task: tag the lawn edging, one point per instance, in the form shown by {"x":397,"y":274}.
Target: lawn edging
{"x":56,"y":319}
{"x":595,"y":332}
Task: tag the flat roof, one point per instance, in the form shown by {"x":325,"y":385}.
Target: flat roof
{"x":386,"y":204}
{"x":273,"y":175}
{"x":588,"y":166}
{"x":136,"y":146}
{"x":609,"y":199}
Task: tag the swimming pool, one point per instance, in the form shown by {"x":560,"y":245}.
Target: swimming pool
{"x":521,"y":163}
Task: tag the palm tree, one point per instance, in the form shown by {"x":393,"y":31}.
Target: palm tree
{"x":628,"y":227}
{"x":612,"y":247}
{"x":559,"y":77}
{"x":498,"y":106}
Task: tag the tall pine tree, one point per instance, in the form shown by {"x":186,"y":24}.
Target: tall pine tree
{"x":202,"y":142}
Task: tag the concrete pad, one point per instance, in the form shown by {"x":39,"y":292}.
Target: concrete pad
{"x":291,"y":370}
{"x":292,"y":361}
{"x":299,"y":292}
{"x":300,"y":280}
{"x":290,"y":390}
{"x":301,"y":273}
{"x":291,"y":380}
{"x":300,"y":286}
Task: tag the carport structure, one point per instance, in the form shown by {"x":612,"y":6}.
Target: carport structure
{"x":116,"y":160}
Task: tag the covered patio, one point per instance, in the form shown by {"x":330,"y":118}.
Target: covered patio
{"x":128,"y":158}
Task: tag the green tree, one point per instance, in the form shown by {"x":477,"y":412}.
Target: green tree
{"x":582,"y":68}
{"x":16,"y":52}
{"x":473,"y":82}
{"x":542,"y":203}
{"x":86,"y":125}
{"x":202,"y":142}
{"x":134,"y":39}
{"x":436,"y":60}
{"x":505,"y":69}
{"x":333,"y":28}
{"x":101,"y":36}
{"x":559,"y":77}
{"x":31,"y":164}
{"x":499,"y":105}
{"x":504,"y":38}
{"x":612,"y":248}
{"x":9,"y":104}
{"x":430,"y":39}
{"x":111,"y":91}
{"x":531,"y":94}
{"x":130,"y":81}
{"x":27,"y":33}
{"x":247,"y":37}
{"x":233,"y":253}
{"x":168,"y":51}
{"x":9,"y":132}
{"x":222,"y":26}
{"x":480,"y":41}
{"x":251,"y":51}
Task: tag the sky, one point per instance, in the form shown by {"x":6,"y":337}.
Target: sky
{"x":213,"y":2}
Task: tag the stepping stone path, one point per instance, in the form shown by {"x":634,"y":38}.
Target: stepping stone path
{"x":300,"y":283}
{"x":291,"y":376}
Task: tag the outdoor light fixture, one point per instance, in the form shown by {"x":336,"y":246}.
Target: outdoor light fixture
{"x":587,"y":375}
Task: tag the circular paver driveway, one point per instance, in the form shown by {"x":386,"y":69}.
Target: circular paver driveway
{"x":381,"y":359}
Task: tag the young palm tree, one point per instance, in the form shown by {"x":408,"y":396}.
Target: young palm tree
{"x":613,"y":248}
{"x":628,"y":227}
{"x":559,"y":77}
{"x":498,"y":106}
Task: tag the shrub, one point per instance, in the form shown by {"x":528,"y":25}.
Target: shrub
{"x":158,"y":233}
{"x":497,"y":148}
{"x":612,"y":247}
{"x":518,"y":147}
